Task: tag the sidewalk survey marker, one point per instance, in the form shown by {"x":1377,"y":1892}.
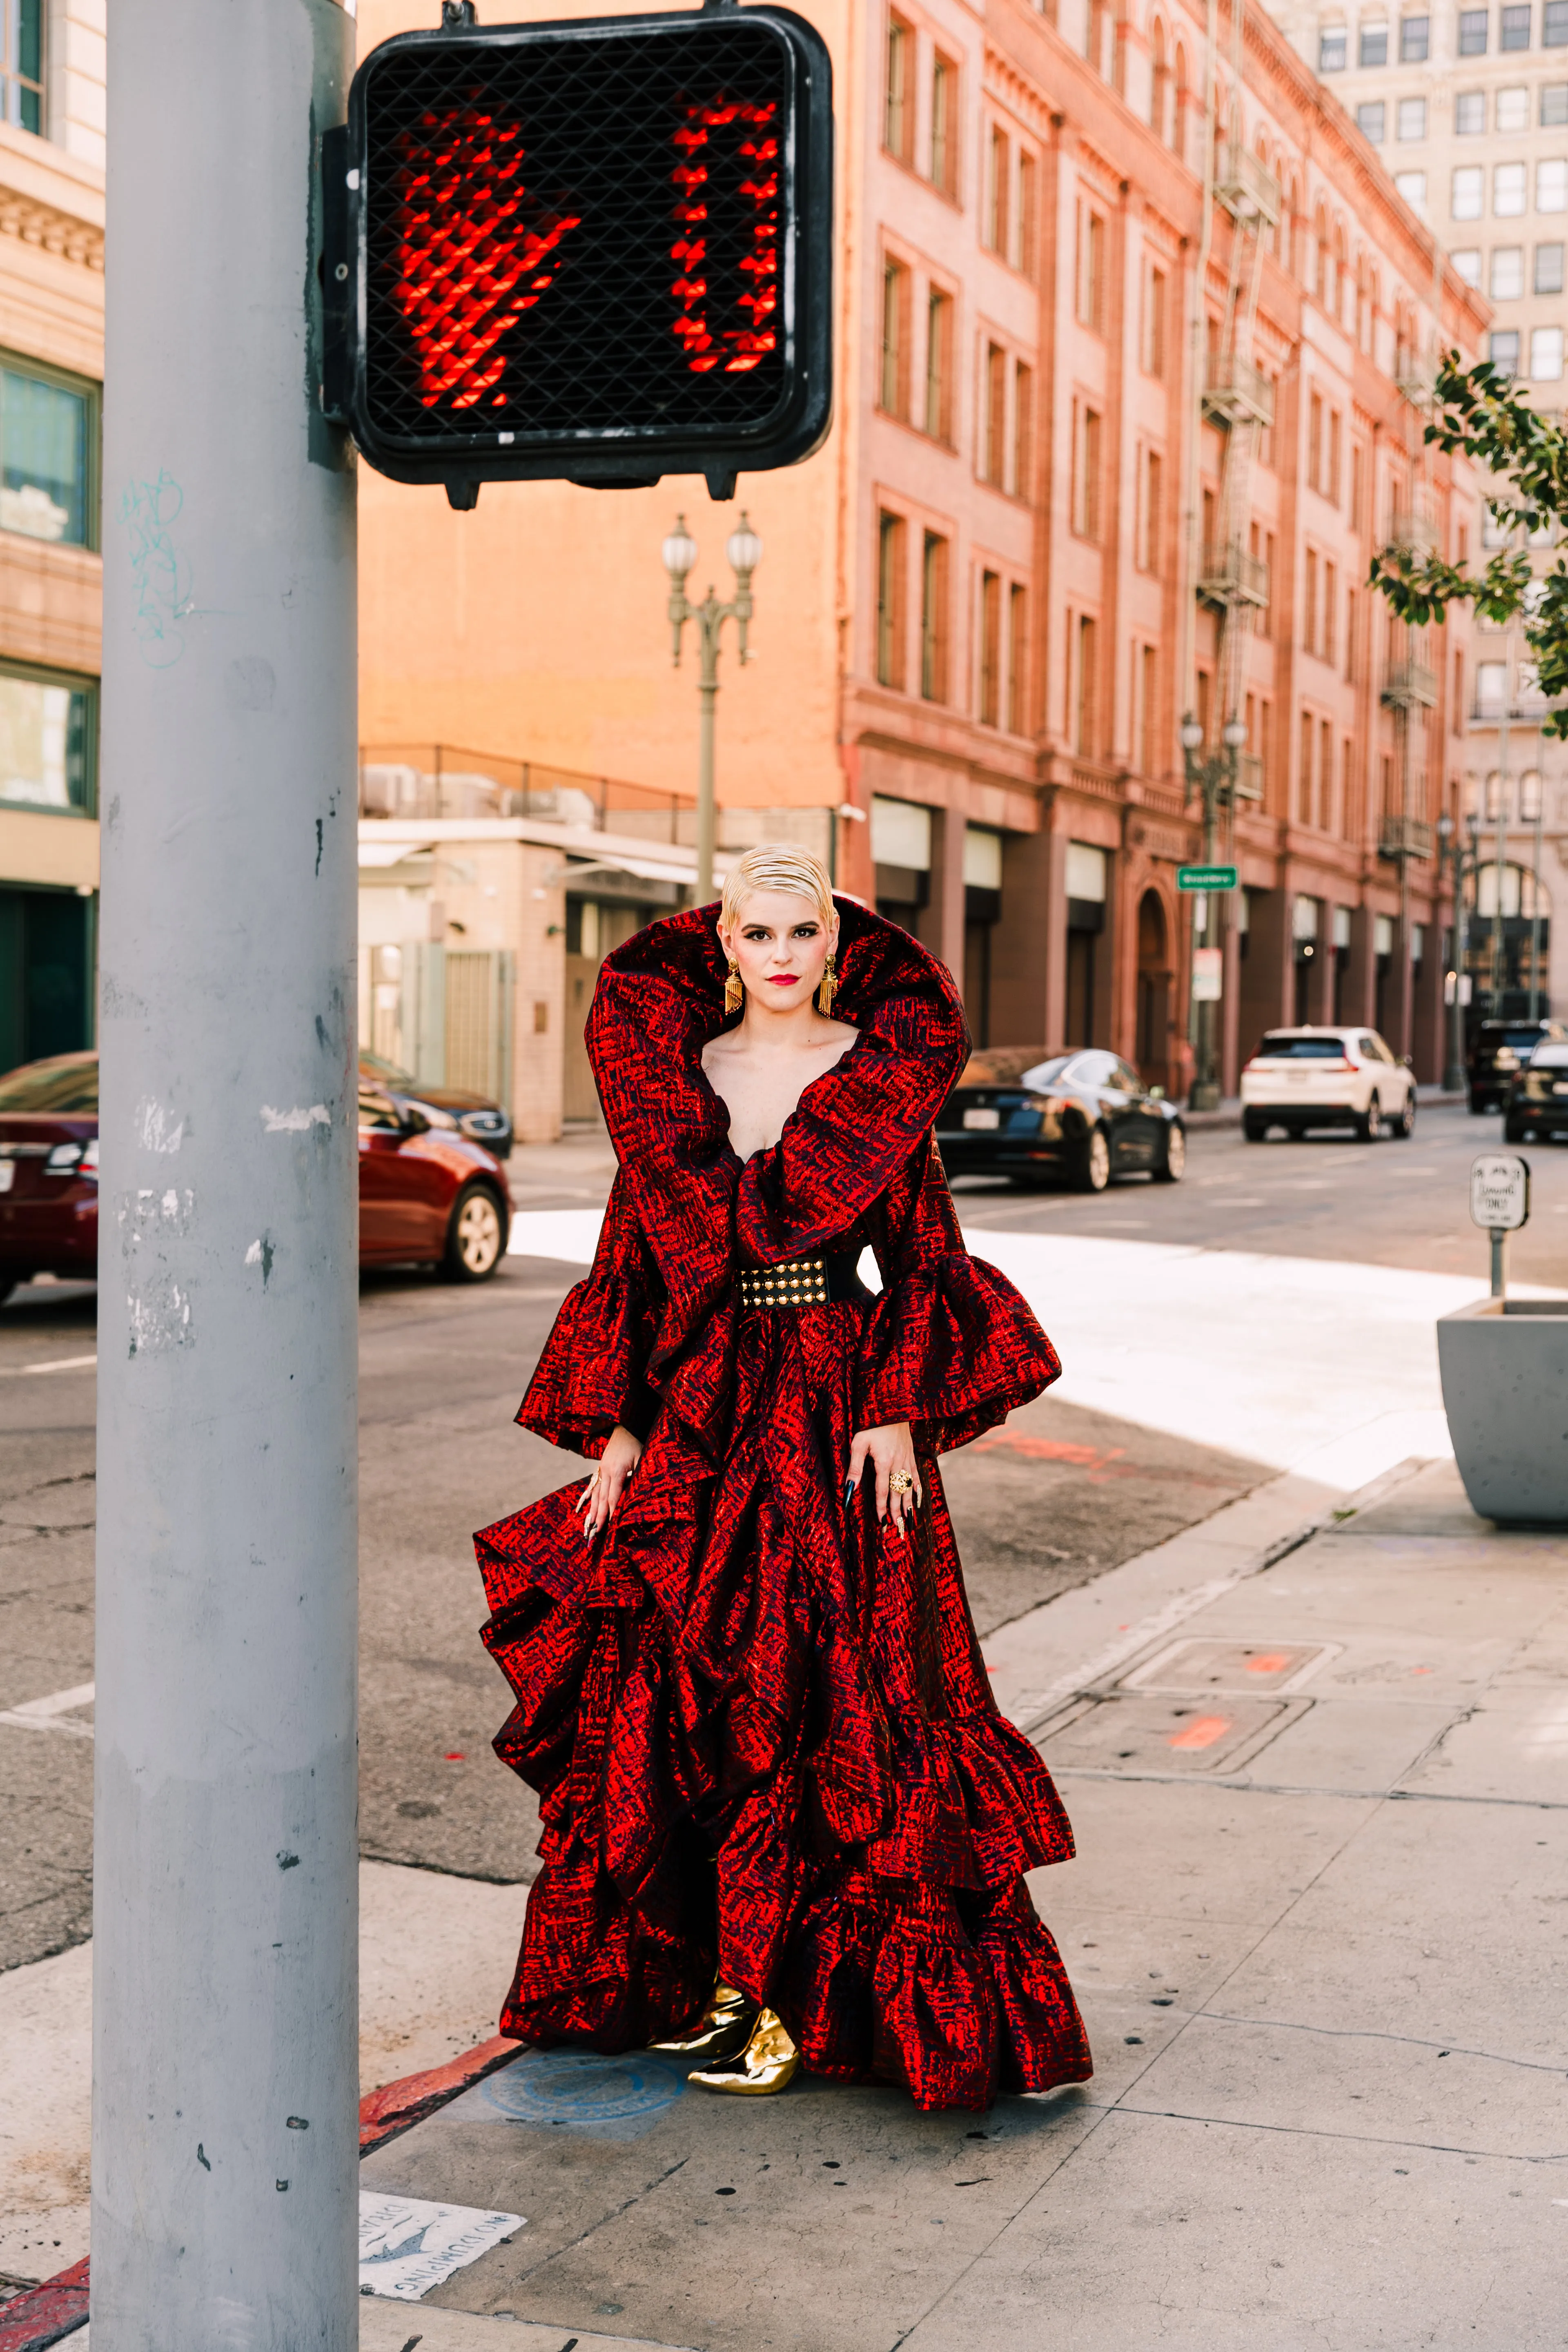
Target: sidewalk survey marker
{"x":408,"y":2245}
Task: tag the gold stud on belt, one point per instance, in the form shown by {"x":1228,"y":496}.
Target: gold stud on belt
{"x":803,"y":1284}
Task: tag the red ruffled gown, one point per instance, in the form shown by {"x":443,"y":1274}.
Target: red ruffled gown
{"x":759,"y":1724}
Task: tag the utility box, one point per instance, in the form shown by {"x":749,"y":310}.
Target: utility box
{"x":1504,"y":1368}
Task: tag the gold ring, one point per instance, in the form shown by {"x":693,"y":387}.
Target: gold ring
{"x":900,"y":1482}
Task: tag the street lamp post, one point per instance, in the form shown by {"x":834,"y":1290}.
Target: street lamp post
{"x":1215,"y":777}
{"x":1450,"y":846}
{"x":744,"y":549}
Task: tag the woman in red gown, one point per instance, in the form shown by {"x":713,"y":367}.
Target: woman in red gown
{"x":782,"y":1813}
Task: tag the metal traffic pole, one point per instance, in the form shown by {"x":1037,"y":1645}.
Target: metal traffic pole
{"x":224,"y":1969}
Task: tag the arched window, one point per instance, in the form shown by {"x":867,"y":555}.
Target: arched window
{"x":1320,"y":256}
{"x":1160,"y":84}
{"x":1340,"y":286}
{"x":1179,"y":117}
{"x":1292,"y":222}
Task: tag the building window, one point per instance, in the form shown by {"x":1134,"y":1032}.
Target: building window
{"x":1310,"y":606}
{"x":933,"y":618}
{"x":998,"y":158}
{"x":1554,"y":24}
{"x":1028,"y":206}
{"x":1415,"y":40}
{"x":1469,"y":191}
{"x":899,"y":119}
{"x":993,"y":445}
{"x":889,"y":600}
{"x":1370,"y":119}
{"x":1373,"y":47}
{"x":1546,"y":354}
{"x":1502,"y":350}
{"x":1510,"y":190}
{"x":1411,"y":120}
{"x":1513,"y":108}
{"x":48,"y":746}
{"x":1331,"y":602}
{"x":1091,"y":266}
{"x":895,"y":391}
{"x":1551,"y":186}
{"x":1304,"y":781}
{"x":22,"y":31}
{"x":1507,"y":273}
{"x":939,"y":365}
{"x":1017,"y":661}
{"x":1022,"y":430}
{"x":1411,"y":186}
{"x":1331,"y":49}
{"x":1470,"y":110}
{"x":990,"y":648}
{"x":944,"y":124}
{"x":1151,"y":519}
{"x":1086,"y":472}
{"x":1554,"y":105}
{"x":1473,"y":32}
{"x":1466,"y":261}
{"x":1149,"y":710}
{"x":1155,"y":322}
{"x":1513,"y":31}
{"x":1084,"y":736}
{"x":48,"y":457}
{"x":1549,"y":270}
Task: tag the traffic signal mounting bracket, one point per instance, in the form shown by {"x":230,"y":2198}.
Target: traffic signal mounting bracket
{"x":597,"y":250}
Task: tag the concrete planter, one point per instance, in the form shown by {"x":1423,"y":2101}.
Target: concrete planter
{"x":1505,"y":1389}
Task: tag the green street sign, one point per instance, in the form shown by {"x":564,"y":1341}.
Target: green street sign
{"x":1205,"y":877}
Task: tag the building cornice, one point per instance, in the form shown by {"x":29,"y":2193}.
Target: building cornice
{"x":46,"y":225}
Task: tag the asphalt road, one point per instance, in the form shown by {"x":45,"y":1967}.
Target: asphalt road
{"x":1058,"y":1496}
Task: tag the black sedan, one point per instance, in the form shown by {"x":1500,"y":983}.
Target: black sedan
{"x":1499,"y":1051}
{"x":1538,"y":1099}
{"x":1080,"y":1118}
{"x":481,"y":1120}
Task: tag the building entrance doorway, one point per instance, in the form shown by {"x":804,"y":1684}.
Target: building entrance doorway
{"x":46,"y":974}
{"x":1154,"y":977}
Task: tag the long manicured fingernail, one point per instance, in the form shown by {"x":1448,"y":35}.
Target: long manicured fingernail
{"x":848,"y":1488}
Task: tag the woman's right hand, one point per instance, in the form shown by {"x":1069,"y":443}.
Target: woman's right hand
{"x":608,"y":1484}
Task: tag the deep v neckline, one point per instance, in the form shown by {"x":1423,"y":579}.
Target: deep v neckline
{"x":722,"y":1108}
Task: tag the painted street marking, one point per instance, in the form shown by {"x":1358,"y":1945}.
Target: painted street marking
{"x":52,"y":1714}
{"x":61,"y":1364}
{"x":406,"y":2245}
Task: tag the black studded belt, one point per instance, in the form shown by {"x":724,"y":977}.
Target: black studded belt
{"x":803,"y":1284}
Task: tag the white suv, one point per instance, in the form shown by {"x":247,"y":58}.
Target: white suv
{"x":1327,"y":1078}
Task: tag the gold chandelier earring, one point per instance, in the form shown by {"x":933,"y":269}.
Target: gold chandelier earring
{"x":827,"y":987}
{"x":734,"y":988}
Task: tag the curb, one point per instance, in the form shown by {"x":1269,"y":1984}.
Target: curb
{"x":45,"y":2315}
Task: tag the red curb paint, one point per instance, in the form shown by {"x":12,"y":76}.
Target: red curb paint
{"x":42,"y":2316}
{"x":1203,"y":1732}
{"x":397,"y":2107}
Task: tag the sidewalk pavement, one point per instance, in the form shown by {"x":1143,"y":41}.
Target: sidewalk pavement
{"x":1313,"y":1757}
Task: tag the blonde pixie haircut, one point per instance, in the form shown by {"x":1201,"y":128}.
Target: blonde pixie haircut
{"x":775,"y":866}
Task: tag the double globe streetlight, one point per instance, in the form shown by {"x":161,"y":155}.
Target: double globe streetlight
{"x":744,"y":549}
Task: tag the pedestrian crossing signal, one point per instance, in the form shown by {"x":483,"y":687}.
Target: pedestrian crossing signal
{"x":597,"y":251}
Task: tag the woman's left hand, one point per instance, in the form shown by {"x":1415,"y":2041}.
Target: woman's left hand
{"x":891,"y":1449}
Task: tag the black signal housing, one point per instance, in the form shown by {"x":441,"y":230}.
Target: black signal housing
{"x":597,"y":251}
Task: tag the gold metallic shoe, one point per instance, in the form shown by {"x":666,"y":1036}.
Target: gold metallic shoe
{"x":769,"y":2061}
{"x":719,"y":2034}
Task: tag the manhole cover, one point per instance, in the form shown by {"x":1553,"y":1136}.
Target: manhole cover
{"x":1161,"y":1734}
{"x":1241,"y":1666}
{"x":578,"y":2086}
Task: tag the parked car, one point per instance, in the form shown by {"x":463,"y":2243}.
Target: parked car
{"x":1538,"y":1098}
{"x":479,"y":1118}
{"x":1499,"y":1051}
{"x":427,"y":1194}
{"x":1084,"y":1117}
{"x":1302,"y":1078}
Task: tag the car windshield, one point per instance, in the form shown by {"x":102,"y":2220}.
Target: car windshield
{"x":1550,"y":1058}
{"x":69,"y":1087}
{"x":387,"y":1072}
{"x":1045,"y":1074}
{"x":1519,"y":1040}
{"x":1303,"y":1049}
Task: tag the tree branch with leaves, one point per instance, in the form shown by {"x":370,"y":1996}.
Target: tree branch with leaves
{"x":1484,"y":415}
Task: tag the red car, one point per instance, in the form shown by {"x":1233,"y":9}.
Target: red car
{"x":428,"y":1195}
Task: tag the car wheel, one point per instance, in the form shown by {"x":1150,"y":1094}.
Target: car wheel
{"x":1368,"y":1127}
{"x":1173,"y":1166}
{"x":1404,"y":1125}
{"x":1253,"y":1130}
{"x":1512,"y":1132}
{"x":476,"y":1237}
{"x":1094,"y":1165}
